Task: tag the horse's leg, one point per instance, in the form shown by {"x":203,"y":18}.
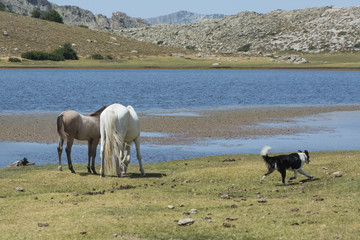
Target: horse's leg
{"x":89,"y":154}
{"x":138,"y":154}
{"x":95,"y":142}
{"x":118,"y":160}
{"x":60,"y":148}
{"x":126,"y":159}
{"x":68,"y":153}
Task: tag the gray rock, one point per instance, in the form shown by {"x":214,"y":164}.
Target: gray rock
{"x":186,"y":222}
{"x":193,"y":211}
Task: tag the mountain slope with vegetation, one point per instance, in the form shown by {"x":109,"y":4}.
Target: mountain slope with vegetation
{"x":314,"y":30}
{"x":75,"y":16}
{"x":20,"y":34}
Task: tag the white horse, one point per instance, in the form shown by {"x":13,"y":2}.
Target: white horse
{"x":119,"y":127}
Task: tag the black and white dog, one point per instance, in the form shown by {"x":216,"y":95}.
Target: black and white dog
{"x":293,"y":161}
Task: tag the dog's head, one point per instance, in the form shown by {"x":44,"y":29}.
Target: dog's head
{"x":307,"y":156}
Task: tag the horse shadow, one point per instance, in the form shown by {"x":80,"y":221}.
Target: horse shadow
{"x":147,"y":175}
{"x":128,"y":175}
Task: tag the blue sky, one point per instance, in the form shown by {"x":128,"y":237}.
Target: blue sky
{"x":155,"y":8}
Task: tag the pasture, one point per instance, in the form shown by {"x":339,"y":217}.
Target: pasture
{"x":225,"y":190}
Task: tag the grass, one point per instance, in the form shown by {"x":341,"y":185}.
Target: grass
{"x":324,"y":61}
{"x":324,"y":208}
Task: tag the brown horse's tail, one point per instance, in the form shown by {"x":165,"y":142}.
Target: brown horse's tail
{"x":60,"y":127}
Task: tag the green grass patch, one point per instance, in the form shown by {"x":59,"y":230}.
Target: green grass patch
{"x":85,"y":206}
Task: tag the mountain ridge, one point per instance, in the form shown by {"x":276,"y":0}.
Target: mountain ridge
{"x":182,"y":17}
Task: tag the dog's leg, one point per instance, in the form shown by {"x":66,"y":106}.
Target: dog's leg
{"x":269,"y":172}
{"x":295,"y":175}
{"x":283,"y":175}
{"x":304,"y":173}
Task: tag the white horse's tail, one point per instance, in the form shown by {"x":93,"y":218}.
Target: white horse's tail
{"x":264,"y":151}
{"x":112,"y":143}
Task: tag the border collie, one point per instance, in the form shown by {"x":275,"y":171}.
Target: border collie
{"x":293,"y":161}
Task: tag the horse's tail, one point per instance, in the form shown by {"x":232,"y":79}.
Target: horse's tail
{"x":112,"y":142}
{"x":60,"y":127}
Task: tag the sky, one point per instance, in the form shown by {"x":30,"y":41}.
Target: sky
{"x":155,"y":8}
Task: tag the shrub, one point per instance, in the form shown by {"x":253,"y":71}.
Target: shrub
{"x":97,"y":56}
{"x":357,"y":45}
{"x":2,"y":7}
{"x":36,"y":13}
{"x":53,"y":16}
{"x":342,"y":33}
{"x":14,"y":60}
{"x":67,"y":52}
{"x":244,"y":48}
{"x":60,"y":54}
{"x":40,"y":56}
{"x":191,"y":47}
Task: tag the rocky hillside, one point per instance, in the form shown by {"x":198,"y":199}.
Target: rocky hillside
{"x":182,"y":17}
{"x":20,"y":34}
{"x":75,"y":16}
{"x":315,"y":30}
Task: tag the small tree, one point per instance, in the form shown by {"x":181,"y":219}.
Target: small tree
{"x":2,"y":7}
{"x":53,"y":16}
{"x":36,"y":13}
{"x":67,"y":52}
{"x":244,"y":48}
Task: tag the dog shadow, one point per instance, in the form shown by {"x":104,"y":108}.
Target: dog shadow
{"x":291,"y":183}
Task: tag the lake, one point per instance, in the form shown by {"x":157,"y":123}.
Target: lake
{"x":151,"y":90}
{"x":158,"y":91}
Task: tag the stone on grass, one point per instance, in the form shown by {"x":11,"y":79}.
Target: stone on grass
{"x":186,"y":222}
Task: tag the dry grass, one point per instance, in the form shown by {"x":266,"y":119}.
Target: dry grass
{"x":325,"y":208}
{"x":26,"y":34}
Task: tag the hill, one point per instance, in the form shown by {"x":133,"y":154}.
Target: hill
{"x":20,"y":34}
{"x":314,"y":30}
{"x":75,"y":16}
{"x":182,"y":17}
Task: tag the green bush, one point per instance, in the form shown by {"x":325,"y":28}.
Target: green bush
{"x":60,"y":54}
{"x":14,"y":60}
{"x":357,"y":45}
{"x":244,"y":48}
{"x":2,"y":7}
{"x":36,"y":13}
{"x":97,"y":56}
{"x":41,"y":56}
{"x":53,"y":16}
{"x":67,"y":52}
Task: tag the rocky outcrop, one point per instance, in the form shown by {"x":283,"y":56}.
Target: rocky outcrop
{"x":182,"y":17}
{"x":75,"y":16}
{"x":315,"y":30}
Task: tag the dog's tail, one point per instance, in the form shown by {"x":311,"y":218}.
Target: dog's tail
{"x":264,"y":151}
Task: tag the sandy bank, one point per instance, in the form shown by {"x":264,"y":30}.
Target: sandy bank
{"x":180,"y":129}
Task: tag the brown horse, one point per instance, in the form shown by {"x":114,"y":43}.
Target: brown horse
{"x":73,"y":125}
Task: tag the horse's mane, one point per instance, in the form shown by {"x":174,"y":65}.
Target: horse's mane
{"x":98,"y":112}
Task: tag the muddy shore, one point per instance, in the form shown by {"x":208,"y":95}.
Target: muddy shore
{"x":180,"y":128}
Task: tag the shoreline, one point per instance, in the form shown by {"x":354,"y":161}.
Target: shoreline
{"x":182,"y":129}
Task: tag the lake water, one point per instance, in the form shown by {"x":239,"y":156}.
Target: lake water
{"x":149,"y":90}
{"x":158,"y":91}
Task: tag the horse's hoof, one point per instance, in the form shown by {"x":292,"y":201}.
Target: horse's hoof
{"x":94,"y":172}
